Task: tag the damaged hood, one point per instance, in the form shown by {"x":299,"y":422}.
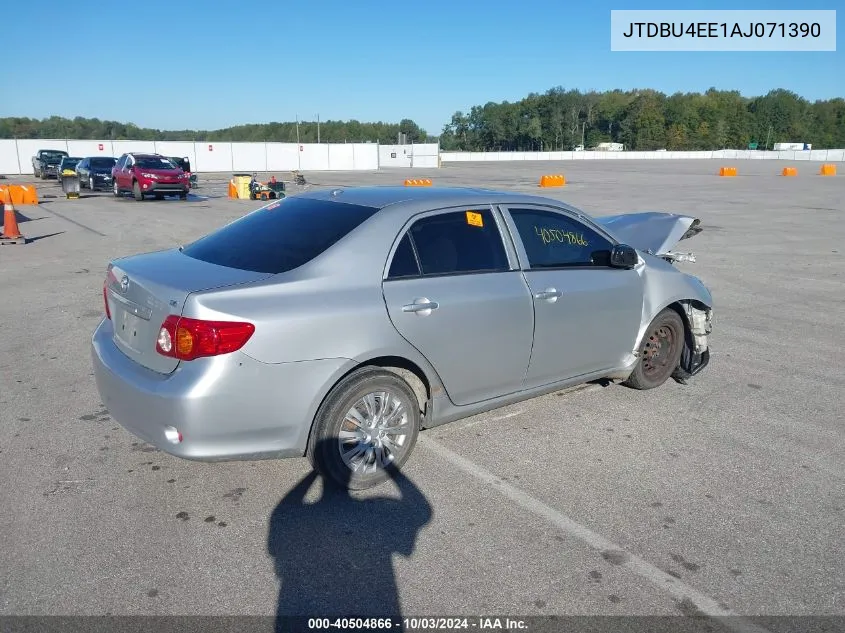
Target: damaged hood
{"x":653,"y":232}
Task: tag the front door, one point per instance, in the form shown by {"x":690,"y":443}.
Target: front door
{"x":586,"y":313}
{"x":451,"y":293}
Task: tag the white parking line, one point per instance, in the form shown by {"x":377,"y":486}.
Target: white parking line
{"x":609,"y":550}
{"x":495,"y":419}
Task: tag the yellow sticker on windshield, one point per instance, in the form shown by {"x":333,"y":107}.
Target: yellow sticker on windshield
{"x":474,"y":219}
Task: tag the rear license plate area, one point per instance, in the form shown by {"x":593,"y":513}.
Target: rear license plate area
{"x":128,"y":329}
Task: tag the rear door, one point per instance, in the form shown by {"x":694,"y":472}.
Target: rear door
{"x":452,"y":292}
{"x":119,"y":171}
{"x":586,"y":313}
{"x":126,"y":173}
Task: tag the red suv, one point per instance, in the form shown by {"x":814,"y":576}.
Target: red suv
{"x":149,"y":174}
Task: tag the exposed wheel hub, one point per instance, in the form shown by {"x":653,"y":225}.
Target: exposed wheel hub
{"x":658,"y":349}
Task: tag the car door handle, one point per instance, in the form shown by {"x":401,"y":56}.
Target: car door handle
{"x":420,"y":306}
{"x":549,"y":294}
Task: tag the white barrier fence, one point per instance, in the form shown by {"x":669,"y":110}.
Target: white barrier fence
{"x":409,"y":155}
{"x":822,"y":155}
{"x":16,"y":154}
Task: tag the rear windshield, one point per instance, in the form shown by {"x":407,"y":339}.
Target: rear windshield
{"x":103,"y":162}
{"x":281,"y":237}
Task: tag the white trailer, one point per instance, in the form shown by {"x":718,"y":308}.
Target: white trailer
{"x":610,"y":147}
{"x":797,"y":147}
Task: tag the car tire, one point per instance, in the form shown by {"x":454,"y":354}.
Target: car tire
{"x":363,"y":390}
{"x":136,"y":191}
{"x":116,"y":189}
{"x":90,"y":183}
{"x":660,"y":351}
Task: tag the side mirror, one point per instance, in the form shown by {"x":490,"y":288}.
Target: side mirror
{"x":623,"y":256}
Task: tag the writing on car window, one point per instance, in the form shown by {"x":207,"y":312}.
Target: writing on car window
{"x":554,"y":240}
{"x":550,"y":235}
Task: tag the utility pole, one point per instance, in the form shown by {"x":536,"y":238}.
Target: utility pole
{"x":318,"y":128}
{"x":297,"y":129}
{"x":583,"y":127}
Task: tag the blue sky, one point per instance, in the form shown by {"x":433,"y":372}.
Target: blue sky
{"x":172,"y":66}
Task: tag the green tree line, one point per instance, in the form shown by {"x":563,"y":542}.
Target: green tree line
{"x":647,"y":120}
{"x":329,"y":131}
{"x":556,"y":120}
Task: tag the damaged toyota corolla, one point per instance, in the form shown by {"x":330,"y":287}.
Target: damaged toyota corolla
{"x":338,"y":324}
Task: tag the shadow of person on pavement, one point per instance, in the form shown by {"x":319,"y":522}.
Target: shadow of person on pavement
{"x":333,"y":556}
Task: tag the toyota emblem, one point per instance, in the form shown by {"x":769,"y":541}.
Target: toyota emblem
{"x":124,"y":284}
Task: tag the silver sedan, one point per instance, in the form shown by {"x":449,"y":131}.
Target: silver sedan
{"x":337,"y":324}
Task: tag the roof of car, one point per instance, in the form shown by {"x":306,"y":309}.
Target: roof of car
{"x":383,"y":196}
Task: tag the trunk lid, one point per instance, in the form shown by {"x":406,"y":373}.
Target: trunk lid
{"x":144,"y":289}
{"x":653,"y":232}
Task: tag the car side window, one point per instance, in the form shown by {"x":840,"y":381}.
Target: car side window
{"x":459,"y":242}
{"x":554,"y":240}
{"x":404,"y":262}
{"x":121,"y":162}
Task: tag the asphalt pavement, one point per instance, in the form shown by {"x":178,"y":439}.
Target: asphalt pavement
{"x":721,"y":497}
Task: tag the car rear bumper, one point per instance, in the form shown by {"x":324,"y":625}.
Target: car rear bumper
{"x":229,"y":407}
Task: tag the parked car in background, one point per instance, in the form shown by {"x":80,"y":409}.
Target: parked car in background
{"x":95,"y":172}
{"x":68,"y":163}
{"x":149,"y":174}
{"x":185,"y":164}
{"x":46,"y":162}
{"x":339,"y":323}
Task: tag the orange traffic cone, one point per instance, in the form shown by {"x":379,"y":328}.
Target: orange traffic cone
{"x":11,"y":233}
{"x":233,"y":192}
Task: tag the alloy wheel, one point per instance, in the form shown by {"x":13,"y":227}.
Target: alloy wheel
{"x":375,"y":432}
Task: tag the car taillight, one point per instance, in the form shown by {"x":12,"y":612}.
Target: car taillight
{"x":109,"y":277}
{"x":187,"y":339}
{"x":106,"y":298}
